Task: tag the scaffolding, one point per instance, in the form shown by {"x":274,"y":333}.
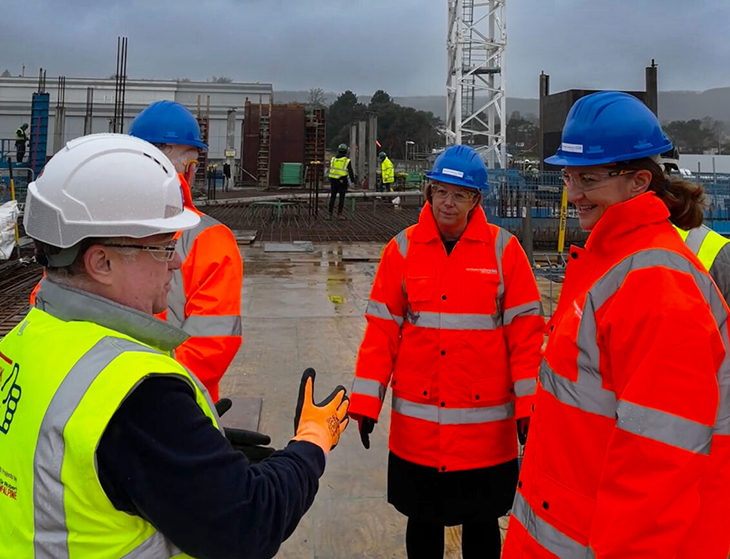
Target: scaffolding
{"x":475,"y":89}
{"x":204,"y":123}
{"x":314,"y":143}
{"x":263,"y":161}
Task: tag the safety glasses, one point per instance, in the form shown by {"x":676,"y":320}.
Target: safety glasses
{"x":590,"y":181}
{"x":459,"y":196}
{"x":161,"y":253}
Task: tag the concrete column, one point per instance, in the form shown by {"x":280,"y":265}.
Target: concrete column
{"x":372,"y":149}
{"x":544,"y":92}
{"x":652,"y":97}
{"x":230,"y":152}
{"x":89,"y":115}
{"x":362,"y":146}
{"x":59,"y":127}
{"x":353,"y":151}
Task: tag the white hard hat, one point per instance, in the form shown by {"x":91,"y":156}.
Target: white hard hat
{"x":105,"y":185}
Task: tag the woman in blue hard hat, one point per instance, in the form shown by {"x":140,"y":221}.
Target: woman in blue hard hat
{"x":455,"y":327}
{"x":628,"y":452}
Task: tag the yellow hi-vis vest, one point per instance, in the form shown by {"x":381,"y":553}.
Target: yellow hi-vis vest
{"x":386,"y":168}
{"x":338,"y":167}
{"x":62,"y":381}
{"x":704,"y":242}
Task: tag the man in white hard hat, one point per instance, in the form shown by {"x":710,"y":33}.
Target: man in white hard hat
{"x":108,"y":446}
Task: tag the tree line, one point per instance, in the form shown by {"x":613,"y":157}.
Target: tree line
{"x":396,"y":124}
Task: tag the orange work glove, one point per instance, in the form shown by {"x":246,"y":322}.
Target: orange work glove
{"x":323,"y":423}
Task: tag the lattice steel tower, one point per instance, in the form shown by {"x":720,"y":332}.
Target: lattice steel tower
{"x":475,"y":88}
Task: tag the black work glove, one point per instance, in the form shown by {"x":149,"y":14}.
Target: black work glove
{"x":523,"y":426}
{"x":222,"y":406}
{"x":366,"y":426}
{"x":251,"y":443}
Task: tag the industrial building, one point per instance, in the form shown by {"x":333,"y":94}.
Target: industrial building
{"x":16,"y":94}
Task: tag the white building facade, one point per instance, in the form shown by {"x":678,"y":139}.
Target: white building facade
{"x":16,"y":94}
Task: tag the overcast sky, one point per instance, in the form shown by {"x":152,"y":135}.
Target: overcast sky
{"x":364,"y":45}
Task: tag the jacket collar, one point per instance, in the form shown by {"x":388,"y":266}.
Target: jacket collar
{"x":70,"y":304}
{"x":477,"y":228}
{"x":626,"y":218}
{"x":187,"y":194}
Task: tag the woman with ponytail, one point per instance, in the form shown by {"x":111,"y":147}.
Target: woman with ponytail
{"x":628,"y":450}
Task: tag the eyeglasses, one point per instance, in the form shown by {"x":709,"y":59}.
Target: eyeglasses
{"x":459,"y":196}
{"x":589,"y":181}
{"x":161,"y":253}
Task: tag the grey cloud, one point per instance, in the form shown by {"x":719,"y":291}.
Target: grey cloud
{"x":364,"y":45}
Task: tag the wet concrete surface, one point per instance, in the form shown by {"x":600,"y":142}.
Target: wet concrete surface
{"x":306,"y":310}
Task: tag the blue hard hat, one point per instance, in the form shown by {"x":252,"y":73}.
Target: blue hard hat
{"x":167,"y":122}
{"x":460,"y":165}
{"x":609,"y":127}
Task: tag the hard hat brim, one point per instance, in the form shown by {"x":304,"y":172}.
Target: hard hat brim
{"x":588,"y":161}
{"x":447,"y":179}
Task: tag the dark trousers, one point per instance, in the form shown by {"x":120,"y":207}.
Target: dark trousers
{"x":339,"y":186}
{"x":19,"y":152}
{"x":479,"y":540}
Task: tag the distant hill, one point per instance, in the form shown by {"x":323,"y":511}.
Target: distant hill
{"x":673,"y":105}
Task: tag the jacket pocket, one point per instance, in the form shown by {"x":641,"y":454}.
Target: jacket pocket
{"x":419,"y":289}
{"x":492,"y":390}
{"x":414,"y":386}
{"x":566,"y":509}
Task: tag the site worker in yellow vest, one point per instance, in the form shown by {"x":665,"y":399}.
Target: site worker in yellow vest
{"x":711,"y":248}
{"x":387,"y":172}
{"x":109,"y":447}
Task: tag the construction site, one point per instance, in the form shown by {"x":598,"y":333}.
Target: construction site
{"x":307,"y":276}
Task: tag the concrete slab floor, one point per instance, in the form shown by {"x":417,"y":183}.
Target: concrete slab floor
{"x":306,"y":310}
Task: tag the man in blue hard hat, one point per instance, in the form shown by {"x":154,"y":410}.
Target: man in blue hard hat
{"x":205,"y":299}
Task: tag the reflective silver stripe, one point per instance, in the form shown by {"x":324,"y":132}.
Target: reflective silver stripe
{"x":50,"y":539}
{"x":696,"y":237}
{"x":587,"y":393}
{"x":453,"y":416}
{"x":664,"y":427}
{"x":528,"y":309}
{"x":176,"y":298}
{"x":156,"y":546}
{"x":211,"y":325}
{"x":547,"y":535}
{"x":446,"y":321}
{"x":402,"y":242}
{"x":526,"y":387}
{"x":503,"y":238}
{"x":380,"y":310}
{"x":368,"y":387}
{"x":579,"y":395}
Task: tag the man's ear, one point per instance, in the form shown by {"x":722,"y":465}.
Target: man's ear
{"x":99,"y":263}
{"x":641,"y":180}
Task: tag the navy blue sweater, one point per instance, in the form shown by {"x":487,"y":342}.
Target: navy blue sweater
{"x":161,"y":458}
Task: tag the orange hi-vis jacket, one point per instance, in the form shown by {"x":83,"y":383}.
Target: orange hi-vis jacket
{"x":628,"y":443}
{"x":205,"y":299}
{"x":461,"y":337}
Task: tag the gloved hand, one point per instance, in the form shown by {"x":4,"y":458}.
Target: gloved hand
{"x":365,"y":426}
{"x":250,"y":443}
{"x":323,"y":423}
{"x":523,"y":426}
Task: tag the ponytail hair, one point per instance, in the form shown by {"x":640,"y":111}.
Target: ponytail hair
{"x":684,"y":199}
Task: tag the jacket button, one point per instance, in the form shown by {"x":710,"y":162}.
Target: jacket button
{"x":545,"y":505}
{"x":574,"y":255}
{"x":443,"y":468}
{"x":512,"y":390}
{"x":443,"y":297}
{"x":476,"y":397}
{"x":552,"y":327}
{"x":519,"y":484}
{"x":425,"y":392}
{"x":443,"y":404}
{"x":533,"y":407}
{"x":443,"y":352}
{"x":393,"y":383}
